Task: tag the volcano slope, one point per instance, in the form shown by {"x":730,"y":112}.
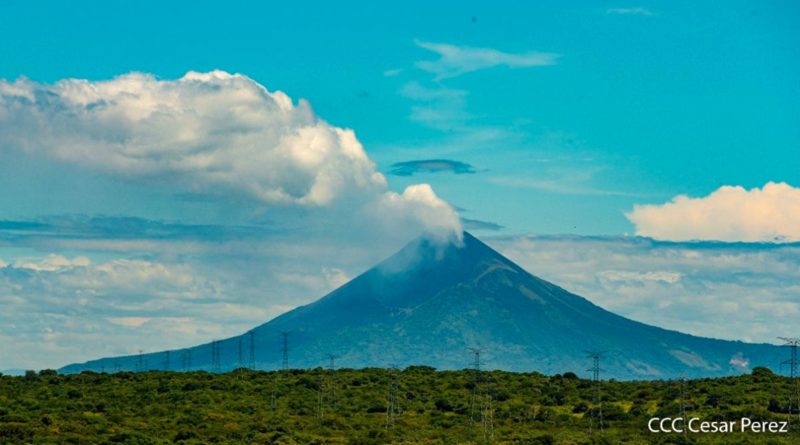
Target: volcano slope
{"x":429,"y":303}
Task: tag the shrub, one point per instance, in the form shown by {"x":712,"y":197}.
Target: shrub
{"x":443,"y":405}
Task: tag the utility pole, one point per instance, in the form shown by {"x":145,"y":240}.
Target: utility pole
{"x":597,"y":404}
{"x":794,"y":399}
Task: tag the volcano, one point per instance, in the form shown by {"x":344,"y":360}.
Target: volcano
{"x":429,"y":303}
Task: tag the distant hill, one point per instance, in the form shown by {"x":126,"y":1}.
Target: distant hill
{"x":429,"y":303}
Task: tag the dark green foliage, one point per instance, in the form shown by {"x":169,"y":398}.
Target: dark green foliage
{"x":434,"y":408}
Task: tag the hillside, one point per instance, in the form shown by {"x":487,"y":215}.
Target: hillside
{"x":429,"y":303}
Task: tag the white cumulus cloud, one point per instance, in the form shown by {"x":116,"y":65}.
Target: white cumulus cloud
{"x":735,"y":291}
{"x":212,"y":133}
{"x":51,"y":263}
{"x":731,"y":213}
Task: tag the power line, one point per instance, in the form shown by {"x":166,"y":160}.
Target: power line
{"x":597,"y":404}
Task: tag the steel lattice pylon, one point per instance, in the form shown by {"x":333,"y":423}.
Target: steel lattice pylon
{"x":597,"y":404}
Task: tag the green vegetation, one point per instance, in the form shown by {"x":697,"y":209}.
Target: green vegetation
{"x":254,"y":407}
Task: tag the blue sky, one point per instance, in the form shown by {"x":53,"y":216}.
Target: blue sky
{"x":643,"y":102}
{"x":533,"y":120}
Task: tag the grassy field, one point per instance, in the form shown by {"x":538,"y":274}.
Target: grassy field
{"x":351,"y":407}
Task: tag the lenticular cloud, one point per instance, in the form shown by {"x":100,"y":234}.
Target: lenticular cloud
{"x":206,"y":133}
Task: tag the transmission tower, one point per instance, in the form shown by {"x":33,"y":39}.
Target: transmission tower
{"x":332,"y":361}
{"x":272,"y":396}
{"x":332,"y":368}
{"x":215,"y":362}
{"x":186,"y":359}
{"x":476,"y":399}
{"x":320,"y":394}
{"x":392,"y":402}
{"x":285,"y":350}
{"x":597,"y":404}
{"x":487,"y":414}
{"x":683,"y":401}
{"x":794,"y":399}
{"x":241,"y":354}
{"x":139,"y":362}
{"x":252,"y":361}
{"x":481,"y":402}
{"x":240,"y":366}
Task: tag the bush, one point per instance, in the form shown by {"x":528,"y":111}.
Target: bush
{"x":443,"y":405}
{"x":580,"y":408}
{"x":568,"y":376}
{"x":546,"y":439}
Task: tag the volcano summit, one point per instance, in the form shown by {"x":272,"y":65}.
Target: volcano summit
{"x":428,"y":303}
